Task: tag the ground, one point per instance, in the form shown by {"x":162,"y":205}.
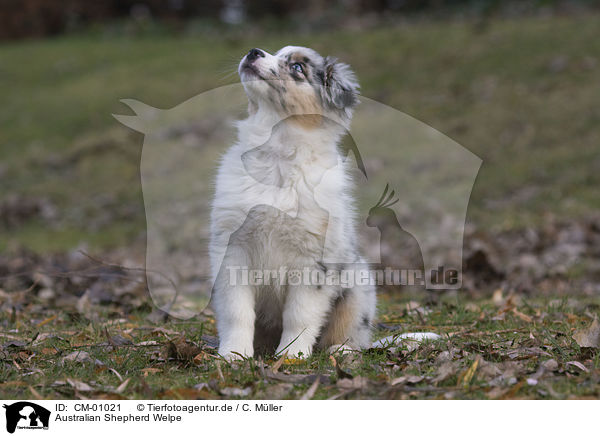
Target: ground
{"x":504,"y":347}
{"x":521,"y":93}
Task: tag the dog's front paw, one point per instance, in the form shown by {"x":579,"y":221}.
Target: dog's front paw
{"x":341,"y":349}
{"x":231,"y":353}
{"x":296,"y":350}
{"x":232,"y":356}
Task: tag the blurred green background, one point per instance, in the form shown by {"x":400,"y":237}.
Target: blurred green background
{"x":517,"y":83}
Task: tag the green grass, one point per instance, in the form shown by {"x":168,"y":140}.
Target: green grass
{"x":503,"y":352}
{"x":522,"y":94}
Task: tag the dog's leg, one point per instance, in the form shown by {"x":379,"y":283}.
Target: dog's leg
{"x":350,"y":323}
{"x":234,"y":310}
{"x":304,"y":314}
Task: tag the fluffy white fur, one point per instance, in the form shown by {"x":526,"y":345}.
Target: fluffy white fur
{"x":283,"y":199}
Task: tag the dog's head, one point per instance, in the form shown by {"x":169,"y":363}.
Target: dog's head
{"x":297,"y":81}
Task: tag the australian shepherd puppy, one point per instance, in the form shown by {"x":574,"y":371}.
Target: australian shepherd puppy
{"x":283,"y":213}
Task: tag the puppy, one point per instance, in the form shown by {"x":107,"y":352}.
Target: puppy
{"x":283,"y":207}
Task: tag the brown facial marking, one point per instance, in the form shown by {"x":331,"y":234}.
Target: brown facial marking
{"x":297,"y":100}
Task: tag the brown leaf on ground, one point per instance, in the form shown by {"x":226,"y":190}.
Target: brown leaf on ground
{"x":236,"y":392}
{"x":108,"y":396}
{"x":180,"y":349}
{"x":578,"y":365}
{"x":589,"y":336}
{"x":514,"y":390}
{"x":521,"y":315}
{"x":121,"y":388}
{"x":465,"y":378}
{"x":147,"y":344}
{"x":147,"y":371}
{"x":118,"y":340}
{"x":200,"y":357}
{"x":357,"y":382}
{"x":14,"y":344}
{"x":445,"y":371}
{"x":275,"y":367}
{"x":497,"y":392}
{"x":407,"y":379}
{"x":35,"y":393}
{"x":550,"y":365}
{"x":13,"y":383}
{"x":341,"y":374}
{"x":296,"y":378}
{"x":185,"y":394}
{"x":78,"y":356}
{"x":523,"y":353}
{"x":275,"y":391}
{"x":79,"y":385}
{"x":311,"y":391}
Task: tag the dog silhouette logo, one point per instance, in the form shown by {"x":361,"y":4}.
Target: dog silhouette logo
{"x":432,"y":176}
{"x":26,"y":415}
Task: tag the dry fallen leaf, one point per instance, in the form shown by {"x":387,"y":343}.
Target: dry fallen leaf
{"x":147,"y":371}
{"x":312,"y":390}
{"x":35,"y":393}
{"x":578,"y":365}
{"x":521,"y":315}
{"x":184,"y":394}
{"x":467,"y":376}
{"x":200,"y":357}
{"x":472,"y":307}
{"x":590,"y":336}
{"x":445,"y":370}
{"x":47,"y":320}
{"x":79,"y":385}
{"x":180,"y":349}
{"x":78,"y":356}
{"x":122,"y":386}
{"x":497,"y":297}
{"x":550,"y":365}
{"x":341,"y":374}
{"x":279,"y":362}
{"x":118,"y":340}
{"x":146,"y":343}
{"x":409,"y":379}
{"x":357,"y":382}
{"x":497,"y":392}
{"x":236,"y":392}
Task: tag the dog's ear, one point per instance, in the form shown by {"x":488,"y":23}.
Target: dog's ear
{"x":340,"y":87}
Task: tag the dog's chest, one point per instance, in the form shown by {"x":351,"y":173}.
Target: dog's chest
{"x":290,"y":185}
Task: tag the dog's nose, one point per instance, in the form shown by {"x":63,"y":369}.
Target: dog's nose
{"x":255,"y":53}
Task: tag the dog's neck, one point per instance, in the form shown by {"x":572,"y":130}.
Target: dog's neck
{"x":287,"y":133}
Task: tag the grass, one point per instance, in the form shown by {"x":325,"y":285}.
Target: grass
{"x":490,"y":349}
{"x":519,"y":93}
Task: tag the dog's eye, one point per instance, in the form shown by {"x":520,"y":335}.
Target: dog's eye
{"x":298,"y":68}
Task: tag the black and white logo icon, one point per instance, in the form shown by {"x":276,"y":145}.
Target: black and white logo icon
{"x":26,"y":415}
